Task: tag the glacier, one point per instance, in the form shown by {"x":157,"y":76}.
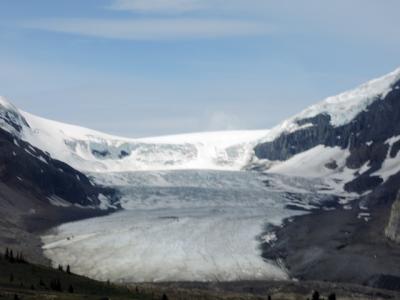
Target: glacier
{"x":185,"y":225}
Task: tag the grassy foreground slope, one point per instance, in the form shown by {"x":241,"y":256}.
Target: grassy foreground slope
{"x":21,"y":280}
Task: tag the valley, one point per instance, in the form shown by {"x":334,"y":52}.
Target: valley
{"x":186,"y":225}
{"x":309,"y":199}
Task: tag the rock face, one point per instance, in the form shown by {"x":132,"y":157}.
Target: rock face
{"x":31,"y":169}
{"x":38,"y":192}
{"x":10,"y":119}
{"x":393,"y":228}
{"x":340,"y":245}
{"x":365,"y":136}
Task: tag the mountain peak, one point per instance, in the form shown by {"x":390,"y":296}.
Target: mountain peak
{"x":344,"y":107}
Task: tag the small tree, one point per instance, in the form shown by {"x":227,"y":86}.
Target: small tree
{"x":18,"y":257}
{"x":11,"y":257}
{"x":41,"y":283}
{"x":332,"y":296}
{"x":7,"y":254}
{"x":315,"y":296}
{"x":68,"y":269}
{"x":55,"y":285}
{"x":60,"y":268}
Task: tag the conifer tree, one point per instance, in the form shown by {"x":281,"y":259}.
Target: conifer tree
{"x":332,"y":296}
{"x":315,"y":296}
{"x":11,"y":258}
{"x":41,"y":283}
{"x":55,"y":285}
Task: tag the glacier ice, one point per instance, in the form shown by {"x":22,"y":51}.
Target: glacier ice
{"x":190,"y":225}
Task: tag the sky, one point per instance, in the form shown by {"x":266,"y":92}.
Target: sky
{"x":140,"y":68}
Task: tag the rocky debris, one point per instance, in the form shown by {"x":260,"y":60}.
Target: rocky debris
{"x":392,"y":230}
{"x":337,"y":246}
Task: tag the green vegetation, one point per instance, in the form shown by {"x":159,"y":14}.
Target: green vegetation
{"x":22,"y":280}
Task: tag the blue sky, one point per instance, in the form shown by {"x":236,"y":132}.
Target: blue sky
{"x":153,"y":67}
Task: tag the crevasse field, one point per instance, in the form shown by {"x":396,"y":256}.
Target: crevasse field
{"x":184,"y":225}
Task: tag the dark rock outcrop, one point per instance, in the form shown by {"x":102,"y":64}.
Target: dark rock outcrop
{"x":29,"y":180}
{"x":340,"y":245}
{"x":30,"y":168}
{"x":10,"y":117}
{"x":364,"y":136}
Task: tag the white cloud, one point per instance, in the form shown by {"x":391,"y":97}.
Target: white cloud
{"x":373,"y":21}
{"x":377,"y":24}
{"x":165,"y":6}
{"x":153,"y":29}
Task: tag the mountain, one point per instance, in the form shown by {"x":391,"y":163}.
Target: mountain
{"x":352,"y":139}
{"x":38,"y":191}
{"x":303,"y":198}
{"x":362,"y":121}
{"x":92,"y":151}
{"x":360,"y":126}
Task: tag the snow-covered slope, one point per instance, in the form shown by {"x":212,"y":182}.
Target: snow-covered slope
{"x":92,"y":151}
{"x":351,"y":139}
{"x":89,"y":150}
{"x":342,"y":108}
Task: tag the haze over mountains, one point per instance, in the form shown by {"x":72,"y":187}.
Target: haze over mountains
{"x":208,"y":206}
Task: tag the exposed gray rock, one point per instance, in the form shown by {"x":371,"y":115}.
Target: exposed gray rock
{"x":11,"y":119}
{"x":338,"y":245}
{"x":29,"y":168}
{"x":392,"y":230}
{"x":365,"y":136}
{"x":29,"y":180}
